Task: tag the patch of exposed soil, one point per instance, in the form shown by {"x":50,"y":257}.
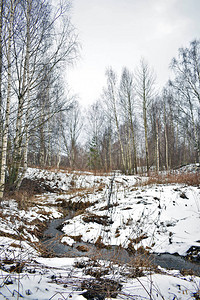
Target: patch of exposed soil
{"x":29,"y":188}
{"x":102,"y":220}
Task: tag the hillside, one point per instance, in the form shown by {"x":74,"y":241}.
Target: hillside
{"x":105,"y":236}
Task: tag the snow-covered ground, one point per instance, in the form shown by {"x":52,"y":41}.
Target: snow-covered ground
{"x":162,"y":218}
{"x":119,"y":211}
{"x":59,"y":278}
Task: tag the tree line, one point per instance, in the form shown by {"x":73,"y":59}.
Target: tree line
{"x":136,"y":128}
{"x":37,"y":41}
{"x":132,"y":127}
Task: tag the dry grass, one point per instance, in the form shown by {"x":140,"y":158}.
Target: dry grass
{"x":75,"y":206}
{"x":9,"y":235}
{"x":26,"y":195}
{"x":192,"y":179}
{"x":101,"y":288}
{"x":82,"y":248}
{"x":76,"y":238}
{"x":84,"y":191}
{"x":99,"y":285}
{"x":138,"y":239}
{"x":99,"y":244}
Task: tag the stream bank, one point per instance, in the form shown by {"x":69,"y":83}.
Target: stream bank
{"x":53,"y":233}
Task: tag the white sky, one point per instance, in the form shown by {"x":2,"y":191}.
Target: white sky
{"x":118,"y":33}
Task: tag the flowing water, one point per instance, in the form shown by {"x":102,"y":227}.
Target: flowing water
{"x":51,"y":240}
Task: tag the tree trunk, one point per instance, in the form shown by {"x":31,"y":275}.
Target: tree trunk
{"x":59,"y":152}
{"x":42,"y":147}
{"x":146,"y":137}
{"x":7,"y":116}
{"x":129,"y":158}
{"x":166,"y":141}
{"x":27,"y":71}
{"x":134,"y":146}
{"x":119,"y":136}
{"x":110,"y":151}
{"x":1,"y":64}
{"x":196,"y":141}
{"x":157,"y":148}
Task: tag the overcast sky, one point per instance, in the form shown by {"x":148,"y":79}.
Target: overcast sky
{"x":118,"y":33}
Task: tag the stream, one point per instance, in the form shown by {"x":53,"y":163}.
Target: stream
{"x":53,"y":233}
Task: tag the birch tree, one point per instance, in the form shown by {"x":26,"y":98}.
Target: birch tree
{"x":111,"y":99}
{"x":156,"y":130}
{"x":46,"y":48}
{"x":40,"y":39}
{"x":10,"y":19}
{"x":1,"y":70}
{"x":127,"y":100}
{"x":70,"y":131}
{"x":95,"y":130}
{"x":145,"y":81}
{"x":187,"y":83}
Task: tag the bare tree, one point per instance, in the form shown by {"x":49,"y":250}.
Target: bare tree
{"x":156,"y":130}
{"x":127,"y":100}
{"x":111,"y":100}
{"x":187,"y":83}
{"x":10,"y":19}
{"x":1,"y":68}
{"x":42,"y":39}
{"x":95,"y":131}
{"x":145,"y":80}
{"x":70,"y":131}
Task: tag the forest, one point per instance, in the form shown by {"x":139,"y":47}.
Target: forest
{"x":133,"y":126}
{"x":97,"y":202}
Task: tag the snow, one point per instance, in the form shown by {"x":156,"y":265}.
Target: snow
{"x":57,"y":278}
{"x":170,"y":222}
{"x":159,"y":285}
{"x":160,"y":218}
{"x":67,"y":240}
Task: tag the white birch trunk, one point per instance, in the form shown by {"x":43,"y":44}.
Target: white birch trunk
{"x":118,"y":133}
{"x":157,"y":148}
{"x":7,"y":117}
{"x":166,"y":141}
{"x":59,"y":152}
{"x":25,"y":153}
{"x":1,"y":59}
{"x":196,"y":141}
{"x":110,"y":151}
{"x":146,"y":137}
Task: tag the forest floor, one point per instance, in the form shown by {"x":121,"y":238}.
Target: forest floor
{"x":84,"y":236}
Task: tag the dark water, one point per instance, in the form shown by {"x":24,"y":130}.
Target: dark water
{"x":53,"y":234}
{"x":171,"y":261}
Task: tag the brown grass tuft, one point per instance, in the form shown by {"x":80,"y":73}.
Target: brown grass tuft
{"x":99,"y":244}
{"x":82,"y":248}
{"x":76,"y":238}
{"x":72,"y":205}
{"x":192,"y":179}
